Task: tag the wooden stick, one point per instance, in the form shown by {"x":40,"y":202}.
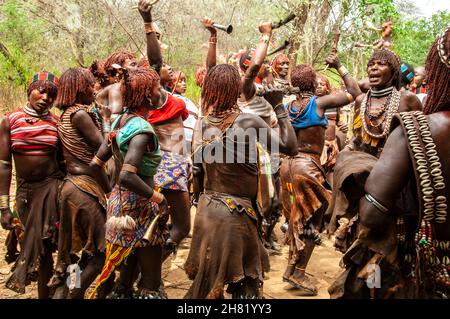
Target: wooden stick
{"x":336,"y":38}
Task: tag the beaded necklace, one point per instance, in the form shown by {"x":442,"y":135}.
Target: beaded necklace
{"x":31,"y":112}
{"x":218,"y":118}
{"x":306,"y":98}
{"x":381,"y":93}
{"x":214,"y":121}
{"x":305,"y":94}
{"x":392,"y":109}
{"x":376,"y":114}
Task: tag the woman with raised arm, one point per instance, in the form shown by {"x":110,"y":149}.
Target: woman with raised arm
{"x":110,"y":95}
{"x":136,"y":227}
{"x":226,"y":247}
{"x":403,"y":246}
{"x":374,"y":112}
{"x":305,"y":192}
{"x":173,"y":172}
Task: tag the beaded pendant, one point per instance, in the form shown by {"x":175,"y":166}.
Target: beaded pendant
{"x":391,"y":109}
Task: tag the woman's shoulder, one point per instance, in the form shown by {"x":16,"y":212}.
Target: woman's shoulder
{"x":249,"y":120}
{"x":410,"y":102}
{"x":139,"y":125}
{"x":138,"y":122}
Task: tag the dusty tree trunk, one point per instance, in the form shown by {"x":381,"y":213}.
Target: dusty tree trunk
{"x":302,"y":12}
{"x":77,"y":48}
{"x":319,"y":43}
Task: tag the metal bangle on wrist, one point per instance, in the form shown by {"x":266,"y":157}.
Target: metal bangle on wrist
{"x":279,"y":109}
{"x":98,"y":161}
{"x":265,"y":38}
{"x":279,"y":106}
{"x":343,"y":71}
{"x":282,"y":116}
{"x":106,"y":127}
{"x":213,"y":39}
{"x":4,"y":202}
{"x":149,"y":27}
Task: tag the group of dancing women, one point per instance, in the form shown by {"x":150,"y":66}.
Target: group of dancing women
{"x":105,"y":184}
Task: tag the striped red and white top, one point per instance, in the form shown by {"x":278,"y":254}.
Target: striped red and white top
{"x":34,"y":136}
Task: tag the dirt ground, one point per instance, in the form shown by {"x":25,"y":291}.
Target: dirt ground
{"x":323,"y":268}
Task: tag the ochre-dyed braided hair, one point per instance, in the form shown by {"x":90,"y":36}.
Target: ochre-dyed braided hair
{"x":137,"y":86}
{"x":200,"y":75}
{"x":47,"y":86}
{"x":221,"y":89}
{"x":394,"y":63}
{"x":438,"y":75}
{"x":280,"y":58}
{"x":117,"y":58}
{"x":325,"y":80}
{"x":75,"y":83}
{"x":303,"y":77}
{"x":97,"y":68}
{"x":143,"y":63}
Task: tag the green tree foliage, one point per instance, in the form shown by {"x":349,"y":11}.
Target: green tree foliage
{"x":381,"y":10}
{"x":58,"y":34}
{"x":414,"y":37}
{"x":19,"y":37}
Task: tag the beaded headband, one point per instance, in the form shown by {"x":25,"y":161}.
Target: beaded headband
{"x":404,"y":69}
{"x":45,"y":76}
{"x":245,"y":63}
{"x":440,"y":48}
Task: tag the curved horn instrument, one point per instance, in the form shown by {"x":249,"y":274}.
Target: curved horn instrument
{"x":371,"y":26}
{"x":286,"y":20}
{"x":227,"y":28}
{"x":151,"y":229}
{"x":280,"y":48}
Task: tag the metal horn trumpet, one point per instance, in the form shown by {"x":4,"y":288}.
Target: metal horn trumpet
{"x":286,"y":20}
{"x":227,"y":28}
{"x":151,"y":229}
{"x":371,"y":26}
{"x":280,"y":48}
